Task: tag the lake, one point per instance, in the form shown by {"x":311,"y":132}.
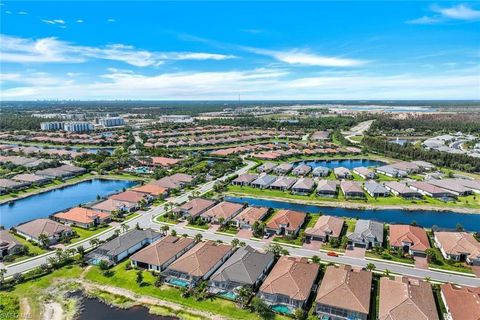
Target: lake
{"x":425,"y":218}
{"x":44,"y":204}
{"x":347,"y":163}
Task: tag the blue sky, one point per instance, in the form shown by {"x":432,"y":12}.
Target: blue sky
{"x":259,"y":50}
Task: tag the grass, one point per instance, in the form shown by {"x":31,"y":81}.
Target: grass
{"x":165,"y":219}
{"x":198,"y":226}
{"x":350,"y":224}
{"x":440,"y":262}
{"x":9,"y":306}
{"x":228,"y":229}
{"x":32,"y":249}
{"x":127,"y":279}
{"x":86,"y":233}
{"x":391,"y":257}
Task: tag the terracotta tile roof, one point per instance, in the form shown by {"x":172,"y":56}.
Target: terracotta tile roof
{"x":225,"y":210}
{"x":162,"y":250}
{"x":112,"y":205}
{"x":37,"y":227}
{"x":400,"y":233}
{"x":326,"y":225}
{"x":251,"y":214}
{"x":403,"y":298}
{"x":459,"y":242}
{"x":199,"y":260}
{"x":164,"y":162}
{"x":129,"y":196}
{"x":346,"y":288}
{"x":152,"y":189}
{"x":292,"y":219}
{"x":195,"y":206}
{"x":81,"y":215}
{"x":463,"y":302}
{"x":292,"y":277}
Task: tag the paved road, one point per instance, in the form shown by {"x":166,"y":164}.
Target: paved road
{"x":357,"y":130}
{"x":144,"y":220}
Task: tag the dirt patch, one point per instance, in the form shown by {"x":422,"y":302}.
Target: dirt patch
{"x":53,"y":311}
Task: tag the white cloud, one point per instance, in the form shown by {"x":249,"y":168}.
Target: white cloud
{"x":44,"y":50}
{"x":22,"y":12}
{"x":303,"y":58}
{"x":424,"y":20}
{"x":459,"y":12}
{"x":59,"y":22}
{"x":79,"y":21}
{"x":111,"y":20}
{"x":8,"y":12}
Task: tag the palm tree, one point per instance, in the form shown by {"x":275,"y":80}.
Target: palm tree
{"x":165,"y":229}
{"x":173,"y":233}
{"x":2,"y":276}
{"x":370,"y":267}
{"x":316,"y":259}
{"x":125,"y":227}
{"x":94,"y":242}
{"x":44,"y":240}
{"x":428,"y":279}
{"x":117,"y":232}
{"x":235,"y":243}
{"x":243,"y":295}
{"x":198,"y":237}
{"x":386,"y":273}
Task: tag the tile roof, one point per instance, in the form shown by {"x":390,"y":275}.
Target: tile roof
{"x":400,"y":233}
{"x":7,"y":240}
{"x":81,"y":215}
{"x":304,"y":184}
{"x":37,"y":227}
{"x":128,"y":196}
{"x":346,"y":288}
{"x":459,"y":242}
{"x":367,"y":228}
{"x":292,"y":219}
{"x":292,"y":277}
{"x":327,"y":185}
{"x":164,"y":162}
{"x":285,"y":182}
{"x":251,"y":214}
{"x":225,"y":210}
{"x":112,"y":205}
{"x":125,"y":241}
{"x":195,"y":206}
{"x":152,"y":189}
{"x":162,"y":250}
{"x":463,"y":302}
{"x":246,"y":178}
{"x":348,"y":186}
{"x":375,"y":187}
{"x":326,"y":225}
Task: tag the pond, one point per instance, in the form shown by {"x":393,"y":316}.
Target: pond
{"x":425,"y":218}
{"x":44,"y":204}
{"x":347,"y":163}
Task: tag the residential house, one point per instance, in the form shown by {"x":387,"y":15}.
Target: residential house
{"x":301,"y":170}
{"x":283,"y":183}
{"x":222,"y":212}
{"x":164,"y":162}
{"x":375,"y":189}
{"x":8,"y":185}
{"x":389,"y":171}
{"x":31,"y":178}
{"x":408,"y":167}
{"x":132,"y":197}
{"x":8,"y":244}
{"x":367,"y":234}
{"x":327,"y":188}
{"x":320,"y":136}
{"x":325,"y":229}
{"x":403,"y":298}
{"x":82,"y":217}
{"x":197,"y":264}
{"x":290,"y":283}
{"x":247,"y":267}
{"x":244,"y":179}
{"x":74,"y":170}
{"x":321,"y":171}
{"x":351,"y":189}
{"x":424,"y":165}
{"x":263,"y":181}
{"x":344,"y":294}
{"x":111,"y":205}
{"x":461,"y":303}
{"x":266,"y":167}
{"x":283,"y":168}
{"x":428,"y":189}
{"x":55,"y":173}
{"x":452,"y":186}
{"x":287,"y":222}
{"x":176,"y":181}
{"x":364,"y":172}
{"x":194,"y":208}
{"x":246,"y":218}
{"x":303,"y":186}
{"x":402,"y":189}
{"x":161,"y":253}
{"x":474,"y":185}
{"x":122,"y":246}
{"x":412,"y":240}
{"x":33,"y":230}
{"x":152,"y":190}
{"x":342,"y":173}
{"x":458,"y":246}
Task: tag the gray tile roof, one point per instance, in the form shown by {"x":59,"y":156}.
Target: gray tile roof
{"x":265,"y":180}
{"x":125,"y":241}
{"x":367,"y":228}
{"x":244,"y":266}
{"x":375,"y":187}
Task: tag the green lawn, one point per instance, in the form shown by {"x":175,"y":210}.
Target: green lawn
{"x":126,"y":279}
{"x":163,"y":218}
{"x":86,"y":233}
{"x":392,"y":257}
{"x":440,"y":263}
{"x":350,"y":224}
{"x":197,"y":226}
{"x":32,"y":249}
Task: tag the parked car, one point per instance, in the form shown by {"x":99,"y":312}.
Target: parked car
{"x":332,"y":254}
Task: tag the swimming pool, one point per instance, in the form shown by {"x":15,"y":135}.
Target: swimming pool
{"x":178,"y":282}
{"x":228,"y":295}
{"x":281,"y":308}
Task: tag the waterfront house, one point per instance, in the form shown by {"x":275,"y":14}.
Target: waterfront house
{"x":458,"y":246}
{"x":474,"y":185}
{"x":412,"y":240}
{"x":460,"y":302}
{"x":428,"y":189}
{"x":8,"y":184}
{"x":244,"y":179}
{"x":197,"y":264}
{"x":246,"y":218}
{"x":327,"y":188}
{"x":132,"y":197}
{"x":342,"y":173}
{"x":82,"y":217}
{"x":351,"y":189}
{"x":290,"y":283}
{"x":283,"y":168}
{"x":364,"y":172}
{"x":344,"y":294}
{"x":424,"y":165}
{"x":325,"y":229}
{"x":31,"y":178}
{"x":176,"y":181}
{"x":152,"y":190}
{"x":122,"y":246}
{"x":266,"y":167}
{"x":451,"y":186}
{"x":283,"y":183}
{"x":301,"y":170}
{"x":408,"y":167}
{"x":375,"y":189}
{"x":111,"y":205}
{"x":367,"y":234}
{"x":303,"y":186}
{"x":263,"y":181}
{"x":402,"y":189}
{"x":403,"y":298}
{"x":389,"y":171}
{"x":247,"y":267}
{"x":163,"y":161}
{"x":55,"y":173}
{"x":287,"y":222}
{"x":194,"y":208}
{"x":74,"y":170}
{"x":222,"y":212}
{"x":32,"y":230}
{"x":8,"y":244}
{"x":161,"y":253}
{"x":320,"y":171}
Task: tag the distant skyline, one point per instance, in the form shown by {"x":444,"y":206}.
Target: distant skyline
{"x":220,"y":50}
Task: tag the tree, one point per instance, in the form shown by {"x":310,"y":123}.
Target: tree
{"x":116,"y":232}
{"x":428,"y":279}
{"x":103,"y":265}
{"x":431,"y":254}
{"x":242,"y":244}
{"x":198,"y":237}
{"x":276,"y":249}
{"x":139,"y":277}
{"x":243,"y":295}
{"x":386,"y":273}
{"x":298,"y":314}
{"x":370,"y":266}
{"x":44,"y":240}
{"x":164,"y":229}
{"x":184,"y":235}
{"x":258,"y":229}
{"x":173,"y":233}
{"x":125,"y":227}
{"x":94,"y":242}
{"x":235,"y":243}
{"x":261,"y":308}
{"x":2,"y":276}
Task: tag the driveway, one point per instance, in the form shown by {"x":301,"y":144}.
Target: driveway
{"x":476,"y":270}
{"x":244,"y":234}
{"x":421,"y":263}
{"x":214,"y":228}
{"x":355,"y":252}
{"x":313,"y":245}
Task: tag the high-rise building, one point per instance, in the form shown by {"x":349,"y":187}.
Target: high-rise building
{"x":51,"y":126}
{"x":111,"y":121}
{"x":77,"y":126}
